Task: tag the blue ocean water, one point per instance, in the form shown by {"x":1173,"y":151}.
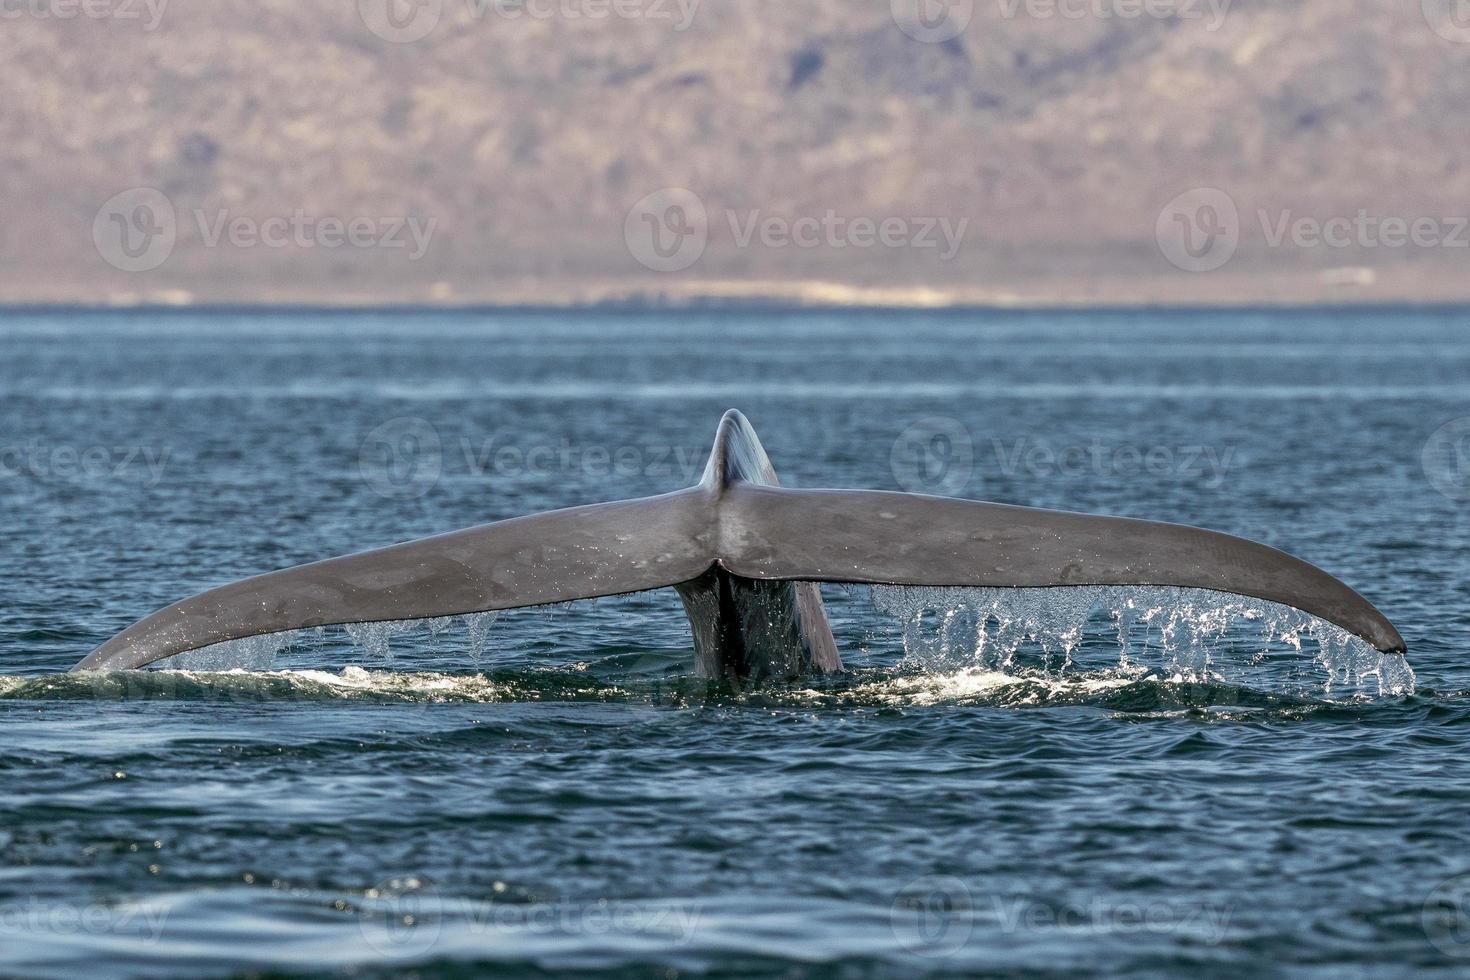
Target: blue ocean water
{"x":552,"y":790}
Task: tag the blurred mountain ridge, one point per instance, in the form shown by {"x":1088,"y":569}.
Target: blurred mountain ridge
{"x":532,"y":140}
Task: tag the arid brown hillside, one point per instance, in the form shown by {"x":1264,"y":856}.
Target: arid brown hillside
{"x":1020,"y":151}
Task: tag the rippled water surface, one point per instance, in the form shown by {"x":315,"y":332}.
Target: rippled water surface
{"x":1042,"y":783}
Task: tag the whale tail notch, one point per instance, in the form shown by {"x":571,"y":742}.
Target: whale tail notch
{"x":749,"y":630}
{"x":745,"y":556}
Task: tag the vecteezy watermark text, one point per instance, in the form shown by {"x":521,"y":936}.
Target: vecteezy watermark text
{"x":679,"y":14}
{"x":405,"y":917}
{"x":835,"y":231}
{"x":1099,"y":458}
{"x":95,"y":463}
{"x":1207,"y":921}
{"x":149,"y":13}
{"x":669,"y":230}
{"x":1364,"y":230}
{"x":407,"y":21}
{"x":301,"y":230}
{"x":138,"y":229}
{"x":1201,"y":230}
{"x":941,"y":456}
{"x":936,"y":916}
{"x":405,"y":458}
{"x":1211,"y":12}
{"x":939,"y":21}
{"x":34,"y":916}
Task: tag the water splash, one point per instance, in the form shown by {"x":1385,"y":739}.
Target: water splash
{"x":373,"y":642}
{"x":376,"y":639}
{"x":1187,"y":635}
{"x":477,"y":633}
{"x":251,"y":653}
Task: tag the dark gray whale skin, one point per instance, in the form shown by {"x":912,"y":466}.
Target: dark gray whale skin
{"x":744,"y":554}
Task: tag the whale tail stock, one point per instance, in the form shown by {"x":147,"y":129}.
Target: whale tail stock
{"x":744,"y":555}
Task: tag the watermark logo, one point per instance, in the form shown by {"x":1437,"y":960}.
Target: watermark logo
{"x":933,"y":915}
{"x":668,"y":230}
{"x":1199,"y":230}
{"x":398,"y":918}
{"x":933,"y":21}
{"x":401,"y":21}
{"x":1445,"y":917}
{"x":1446,"y":459}
{"x":402,"y":459}
{"x":136,"y":231}
{"x":1450,"y":19}
{"x":934,"y":456}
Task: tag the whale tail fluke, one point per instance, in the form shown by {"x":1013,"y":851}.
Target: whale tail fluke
{"x":744,"y":554}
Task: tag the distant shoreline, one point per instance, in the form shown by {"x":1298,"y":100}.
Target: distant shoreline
{"x":719,"y":306}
